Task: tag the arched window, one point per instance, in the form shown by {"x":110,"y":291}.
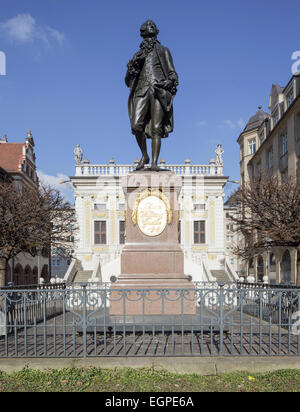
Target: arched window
{"x":272,"y":260}
{"x":35,"y":275}
{"x":45,"y":273}
{"x":27,"y":275}
{"x":251,"y":267}
{"x":18,"y":275}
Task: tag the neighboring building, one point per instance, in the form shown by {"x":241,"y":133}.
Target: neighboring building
{"x":100,"y":209}
{"x":17,"y":162}
{"x":271,"y":142}
{"x":61,"y":256}
{"x":59,"y":266}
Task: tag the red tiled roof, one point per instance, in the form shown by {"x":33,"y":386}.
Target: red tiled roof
{"x":10,"y":155}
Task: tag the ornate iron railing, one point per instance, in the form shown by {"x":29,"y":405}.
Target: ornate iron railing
{"x":77,"y":321}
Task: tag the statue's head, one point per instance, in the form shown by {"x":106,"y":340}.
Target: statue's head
{"x":149,"y":29}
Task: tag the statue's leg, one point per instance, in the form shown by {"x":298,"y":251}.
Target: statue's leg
{"x":141,"y":106}
{"x":156,"y":145}
{"x":157,"y":116}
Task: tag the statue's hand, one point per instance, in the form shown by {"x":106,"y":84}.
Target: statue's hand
{"x":166,"y":84}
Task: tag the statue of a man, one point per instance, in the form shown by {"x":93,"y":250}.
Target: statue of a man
{"x":153,"y":82}
{"x":78,"y":154}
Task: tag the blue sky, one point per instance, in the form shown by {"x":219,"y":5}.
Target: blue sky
{"x":66,"y":61}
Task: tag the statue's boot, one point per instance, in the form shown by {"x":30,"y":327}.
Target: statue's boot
{"x":155,"y":168}
{"x":144,"y":160}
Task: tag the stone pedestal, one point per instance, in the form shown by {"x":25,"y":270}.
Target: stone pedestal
{"x":152,"y":258}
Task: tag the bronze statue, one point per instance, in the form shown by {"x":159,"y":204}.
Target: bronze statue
{"x":153,"y":82}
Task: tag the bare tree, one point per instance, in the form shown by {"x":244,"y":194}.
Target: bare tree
{"x":32,"y":219}
{"x":268,"y":214}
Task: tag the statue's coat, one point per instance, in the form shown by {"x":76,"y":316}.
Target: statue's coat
{"x":164,"y":96}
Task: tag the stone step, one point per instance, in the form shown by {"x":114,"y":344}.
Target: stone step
{"x":220,"y":276}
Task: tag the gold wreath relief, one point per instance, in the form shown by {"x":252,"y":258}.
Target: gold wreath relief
{"x":148,"y":223}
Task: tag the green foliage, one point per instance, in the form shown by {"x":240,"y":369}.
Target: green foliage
{"x":145,"y":380}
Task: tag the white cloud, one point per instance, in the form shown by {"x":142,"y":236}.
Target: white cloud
{"x":55,"y":182}
{"x":24,"y":29}
{"x":233,"y":124}
{"x":242,"y":123}
{"x":230,"y":124}
{"x":201,"y":123}
{"x":58,"y":36}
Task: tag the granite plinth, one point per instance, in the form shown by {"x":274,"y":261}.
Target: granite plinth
{"x":152,"y":263}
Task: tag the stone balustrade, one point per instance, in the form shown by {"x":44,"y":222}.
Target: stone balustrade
{"x":87,"y":169}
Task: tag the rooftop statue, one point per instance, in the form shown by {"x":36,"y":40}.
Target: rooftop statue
{"x":153,"y":82}
{"x":219,"y":152}
{"x":78,"y":154}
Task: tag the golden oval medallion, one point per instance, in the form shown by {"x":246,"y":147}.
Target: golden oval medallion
{"x":152,"y":216}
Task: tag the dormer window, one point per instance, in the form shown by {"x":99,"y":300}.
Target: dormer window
{"x":262,"y":137}
{"x":290,"y":98}
{"x":251,"y":146}
{"x":275,"y":118}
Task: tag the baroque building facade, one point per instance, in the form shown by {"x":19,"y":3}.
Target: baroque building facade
{"x":270,"y":142}
{"x":18,"y":164}
{"x":100,"y":208}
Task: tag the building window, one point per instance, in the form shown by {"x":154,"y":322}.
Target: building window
{"x":252,"y":146}
{"x":121,"y":232}
{"x":199,"y":206}
{"x":230,"y":227}
{"x":55,"y":262}
{"x":275,"y":118}
{"x":284,"y":144}
{"x":100,"y":232}
{"x":270,"y":158}
{"x":290,"y":98}
{"x":262,"y":137}
{"x":199,"y":231}
{"x":99,"y":206}
{"x":121,"y":206}
{"x":242,"y":152}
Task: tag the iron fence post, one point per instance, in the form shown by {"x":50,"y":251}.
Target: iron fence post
{"x":84,"y":318}
{"x":221,"y":321}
